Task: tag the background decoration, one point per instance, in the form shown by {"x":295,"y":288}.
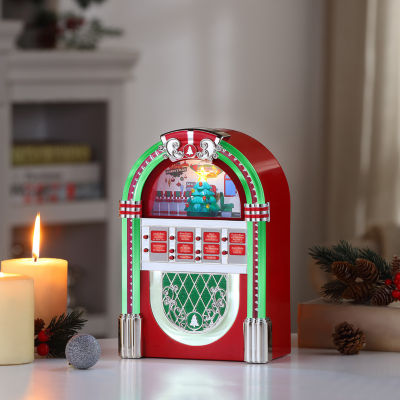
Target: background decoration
{"x":82,"y":351}
{"x":347,"y":339}
{"x":46,"y":28}
{"x":51,"y":341}
{"x":362,"y":275}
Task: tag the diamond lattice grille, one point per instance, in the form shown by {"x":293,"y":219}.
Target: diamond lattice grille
{"x":194,"y":302}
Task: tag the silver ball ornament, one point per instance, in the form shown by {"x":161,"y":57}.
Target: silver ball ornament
{"x":82,"y":351}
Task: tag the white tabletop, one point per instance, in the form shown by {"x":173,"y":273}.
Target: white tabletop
{"x":305,"y":374}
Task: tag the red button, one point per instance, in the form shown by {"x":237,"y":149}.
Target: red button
{"x":224,"y":252}
{"x":198,"y":238}
{"x":171,"y":257}
{"x":146,"y":250}
{"x":145,"y":236}
{"x":171,"y":237}
{"x":198,"y":258}
{"x":198,"y":251}
{"x":171,"y":250}
{"x":224,"y":239}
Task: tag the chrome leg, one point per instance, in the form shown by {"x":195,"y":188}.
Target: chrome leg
{"x":130,"y":336}
{"x":257,"y":334}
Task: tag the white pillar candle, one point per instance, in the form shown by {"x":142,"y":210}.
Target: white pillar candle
{"x":49,"y":276}
{"x":50,"y":282}
{"x":16,"y":319}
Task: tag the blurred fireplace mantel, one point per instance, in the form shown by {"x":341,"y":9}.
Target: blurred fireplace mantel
{"x":30,"y":77}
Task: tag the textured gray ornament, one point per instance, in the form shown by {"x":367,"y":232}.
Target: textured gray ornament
{"x":82,"y":351}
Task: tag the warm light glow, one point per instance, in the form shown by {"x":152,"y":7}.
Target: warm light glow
{"x":202,"y":174}
{"x":36,"y":238}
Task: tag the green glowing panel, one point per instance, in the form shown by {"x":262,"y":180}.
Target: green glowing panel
{"x":194,"y":302}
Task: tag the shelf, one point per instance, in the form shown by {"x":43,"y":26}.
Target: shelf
{"x":60,"y":213}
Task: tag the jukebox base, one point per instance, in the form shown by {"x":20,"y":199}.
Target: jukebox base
{"x":257,"y":340}
{"x":130,"y":336}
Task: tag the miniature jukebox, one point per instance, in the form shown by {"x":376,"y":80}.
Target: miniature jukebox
{"x":205,"y":250}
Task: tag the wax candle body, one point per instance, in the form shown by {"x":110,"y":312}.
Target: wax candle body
{"x":16,"y":319}
{"x":50,"y":283}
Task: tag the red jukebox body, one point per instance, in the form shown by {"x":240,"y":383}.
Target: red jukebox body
{"x":206,"y":271}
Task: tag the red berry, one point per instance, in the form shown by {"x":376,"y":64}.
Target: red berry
{"x":43,"y":336}
{"x":43,"y":349}
{"x":397,"y":285}
{"x":397,"y":276}
{"x":388,"y":282}
{"x":396,"y":294}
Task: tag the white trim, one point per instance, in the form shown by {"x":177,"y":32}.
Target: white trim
{"x":200,"y":268}
{"x":190,"y":223}
{"x":190,"y":137}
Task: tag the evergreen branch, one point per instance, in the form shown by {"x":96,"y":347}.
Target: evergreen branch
{"x":333,"y":290}
{"x":324,"y":256}
{"x":346,"y":252}
{"x":61,"y":329}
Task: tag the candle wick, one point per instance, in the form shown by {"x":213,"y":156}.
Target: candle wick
{"x":35,"y":258}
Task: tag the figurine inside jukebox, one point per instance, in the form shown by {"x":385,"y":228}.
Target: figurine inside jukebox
{"x":205,"y":250}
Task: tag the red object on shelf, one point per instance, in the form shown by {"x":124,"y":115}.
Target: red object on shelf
{"x":171,"y":237}
{"x":198,"y":238}
{"x":198,"y":258}
{"x":146,"y":250}
{"x":171,"y":257}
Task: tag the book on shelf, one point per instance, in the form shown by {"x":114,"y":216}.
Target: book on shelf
{"x":55,"y":183}
{"x":50,"y":153}
{"x":55,"y":173}
{"x":54,"y":192}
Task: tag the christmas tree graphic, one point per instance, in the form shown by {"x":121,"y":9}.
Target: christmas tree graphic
{"x":194,"y":323}
{"x":202,"y":201}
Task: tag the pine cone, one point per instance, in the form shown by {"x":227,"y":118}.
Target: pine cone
{"x":366,"y":270}
{"x":344,"y":271}
{"x":347,"y":339}
{"x":382,"y":296}
{"x":358,"y":291}
{"x":395,"y":265}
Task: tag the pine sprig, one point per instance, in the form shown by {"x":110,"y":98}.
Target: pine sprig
{"x":333,"y":290}
{"x":61,"y":329}
{"x":384,"y":268}
{"x":346,"y":252}
{"x":324,"y":256}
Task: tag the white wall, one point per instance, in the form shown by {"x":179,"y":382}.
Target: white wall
{"x":250,"y":65}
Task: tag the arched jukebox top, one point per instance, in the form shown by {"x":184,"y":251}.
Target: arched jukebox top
{"x":205,"y":247}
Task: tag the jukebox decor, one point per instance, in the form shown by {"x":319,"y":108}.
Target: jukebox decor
{"x":205,"y":250}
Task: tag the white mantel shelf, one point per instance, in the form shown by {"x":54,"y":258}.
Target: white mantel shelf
{"x":66,"y":65}
{"x":306,"y":374}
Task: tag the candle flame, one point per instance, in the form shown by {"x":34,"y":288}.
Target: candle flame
{"x":36,"y":238}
